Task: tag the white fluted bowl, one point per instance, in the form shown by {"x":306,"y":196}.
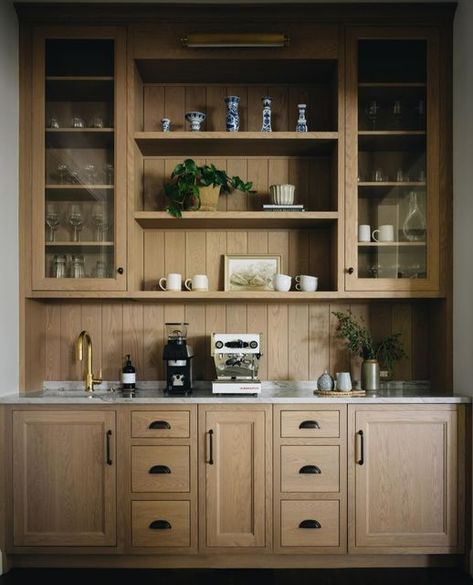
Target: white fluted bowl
{"x":282,"y":194}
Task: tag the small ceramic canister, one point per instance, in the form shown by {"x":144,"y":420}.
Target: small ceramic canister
{"x":166,"y":125}
{"x":325,"y":382}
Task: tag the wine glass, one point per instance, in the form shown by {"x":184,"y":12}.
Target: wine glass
{"x":397,"y":114}
{"x":100,"y":221}
{"x":62,"y":173}
{"x":76,"y":220}
{"x":109,"y":174}
{"x":90,"y":174}
{"x":372,"y":112}
{"x":52,"y":221}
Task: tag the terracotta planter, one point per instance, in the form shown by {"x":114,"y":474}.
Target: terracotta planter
{"x":209,"y":198}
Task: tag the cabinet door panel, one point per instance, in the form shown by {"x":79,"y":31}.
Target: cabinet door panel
{"x":235,"y":483}
{"x":65,"y":492}
{"x":405,"y":488}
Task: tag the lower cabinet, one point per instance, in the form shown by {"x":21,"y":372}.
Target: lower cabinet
{"x":235,"y":477}
{"x":405,"y":479}
{"x":64,"y":478}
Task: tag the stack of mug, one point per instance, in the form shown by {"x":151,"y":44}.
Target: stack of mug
{"x":385,"y":233}
{"x":173,"y":281}
{"x":304,"y":282}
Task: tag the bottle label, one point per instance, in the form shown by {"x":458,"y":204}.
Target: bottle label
{"x":128,"y":378}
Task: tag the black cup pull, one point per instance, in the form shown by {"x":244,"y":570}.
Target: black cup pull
{"x":309,"y":424}
{"x":361,"y":460}
{"x":109,"y":449}
{"x":160,"y":525}
{"x":159,"y":469}
{"x":310,"y":524}
{"x":311,"y":469}
{"x":159,"y":424}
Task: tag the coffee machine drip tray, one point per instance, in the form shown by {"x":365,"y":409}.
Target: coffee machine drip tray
{"x":236,"y":387}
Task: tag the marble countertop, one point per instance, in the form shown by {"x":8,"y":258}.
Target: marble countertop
{"x":280,"y":392}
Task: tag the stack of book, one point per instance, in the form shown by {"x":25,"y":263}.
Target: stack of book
{"x":283,"y":207}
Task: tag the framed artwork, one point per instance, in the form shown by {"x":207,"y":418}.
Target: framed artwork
{"x":251,"y":272}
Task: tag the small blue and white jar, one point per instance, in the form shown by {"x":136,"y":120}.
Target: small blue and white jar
{"x":301,"y":125}
{"x":325,"y":382}
{"x":266,"y":127}
{"x":233,"y":117}
{"x":166,"y":125}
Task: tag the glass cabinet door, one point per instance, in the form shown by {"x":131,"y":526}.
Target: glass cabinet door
{"x":78,"y":218}
{"x":392,"y":163}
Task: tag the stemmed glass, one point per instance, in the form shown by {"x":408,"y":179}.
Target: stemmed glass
{"x":109,"y":174}
{"x":90,"y":174}
{"x":372,"y":111}
{"x":52,"y":221}
{"x":397,"y":114}
{"x":62,"y":172}
{"x":76,"y":220}
{"x":100,"y":221}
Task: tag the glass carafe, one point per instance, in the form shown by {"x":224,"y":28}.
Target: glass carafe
{"x":414,"y":227}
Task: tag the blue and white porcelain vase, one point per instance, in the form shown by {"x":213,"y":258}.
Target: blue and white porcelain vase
{"x":301,"y":120}
{"x":266,"y":127}
{"x":233,"y":117}
{"x":325,"y":382}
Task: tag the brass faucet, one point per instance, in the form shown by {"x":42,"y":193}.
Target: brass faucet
{"x":89,"y":378}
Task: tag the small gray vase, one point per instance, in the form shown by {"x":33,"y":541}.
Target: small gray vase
{"x":370,"y":375}
{"x":325,"y":382}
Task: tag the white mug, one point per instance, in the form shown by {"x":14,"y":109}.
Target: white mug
{"x":199,"y":282}
{"x":282,"y":282}
{"x":385,"y":233}
{"x":364,"y":233}
{"x":173,"y":281}
{"x":344,"y":381}
{"x":306,"y":283}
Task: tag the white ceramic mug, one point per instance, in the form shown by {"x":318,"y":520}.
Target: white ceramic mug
{"x":344,"y":381}
{"x":282,"y":282}
{"x":199,"y":282}
{"x":385,"y":233}
{"x":173,"y":281}
{"x":364,"y":233}
{"x":306,"y":283}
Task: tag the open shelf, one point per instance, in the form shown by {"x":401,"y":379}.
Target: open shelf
{"x":390,"y":244}
{"x":401,"y":184}
{"x":78,"y":244}
{"x":235,"y":219}
{"x":393,"y":85}
{"x":235,"y":143}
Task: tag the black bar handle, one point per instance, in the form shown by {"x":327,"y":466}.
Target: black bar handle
{"x":361,"y":460}
{"x":159,"y":424}
{"x":159,"y":469}
{"x":211,"y":447}
{"x":310,"y":524}
{"x":309,"y":424}
{"x":160,"y":525}
{"x":109,"y":450}
{"x":313,"y":469}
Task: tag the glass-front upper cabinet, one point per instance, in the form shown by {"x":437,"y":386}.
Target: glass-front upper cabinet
{"x":79,"y":232}
{"x":392,"y":196}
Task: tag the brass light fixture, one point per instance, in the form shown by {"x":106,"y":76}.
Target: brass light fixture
{"x":240,"y":39}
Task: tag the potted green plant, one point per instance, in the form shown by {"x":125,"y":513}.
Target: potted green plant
{"x":199,"y":187}
{"x":360,"y":342}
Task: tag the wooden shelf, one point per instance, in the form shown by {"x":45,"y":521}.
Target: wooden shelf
{"x":79,"y":244}
{"x":401,"y":184}
{"x":235,"y":219}
{"x":391,"y":244}
{"x":235,"y":143}
{"x":379,"y":140}
{"x":394,"y":85}
{"x":74,"y":187}
{"x":79,"y":78}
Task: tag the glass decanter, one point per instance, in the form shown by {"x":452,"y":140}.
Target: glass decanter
{"x":414,"y":227}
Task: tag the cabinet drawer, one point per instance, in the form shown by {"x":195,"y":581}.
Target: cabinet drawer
{"x":160,"y":424}
{"x":314,"y":523}
{"x":161,"y":523}
{"x":310,"y":468}
{"x":310,"y":424}
{"x":160,"y":468}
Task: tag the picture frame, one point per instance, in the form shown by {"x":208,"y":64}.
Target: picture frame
{"x":251,"y":272}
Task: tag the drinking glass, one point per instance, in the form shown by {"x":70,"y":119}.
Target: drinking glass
{"x":59,"y":266}
{"x":52,"y":221}
{"x":77,"y":266}
{"x":76,"y":220}
{"x":397,"y":114}
{"x":62,"y":173}
{"x":420,"y":111}
{"x":109,"y":174}
{"x":74,"y":178}
{"x":372,"y":111}
{"x":100,"y":221}
{"x":53,"y":122}
{"x":97,"y":122}
{"x":90,"y":174}
{"x":77,"y":122}
{"x":100,"y":269}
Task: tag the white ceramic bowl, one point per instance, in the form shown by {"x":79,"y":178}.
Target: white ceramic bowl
{"x":282,"y":194}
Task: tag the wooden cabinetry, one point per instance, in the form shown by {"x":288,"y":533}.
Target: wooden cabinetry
{"x":405,"y":479}
{"x":64,"y":477}
{"x":309,"y":479}
{"x":235,"y":478}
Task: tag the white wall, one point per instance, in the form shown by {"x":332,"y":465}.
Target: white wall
{"x":9,"y":335}
{"x":463,"y":198}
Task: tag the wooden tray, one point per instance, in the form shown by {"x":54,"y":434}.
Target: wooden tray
{"x":340,"y":393}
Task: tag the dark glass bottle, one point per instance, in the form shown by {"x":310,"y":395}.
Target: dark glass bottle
{"x":128,"y":374}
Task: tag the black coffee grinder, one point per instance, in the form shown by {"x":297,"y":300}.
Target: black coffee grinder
{"x":178,"y":357}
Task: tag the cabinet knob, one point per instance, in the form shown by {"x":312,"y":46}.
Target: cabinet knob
{"x":160,"y":525}
{"x":310,"y":524}
{"x":159,"y":424}
{"x":120,"y":270}
{"x":309,"y":424}
{"x":310,"y":469}
{"x":159,"y":469}
{"x":350,"y":270}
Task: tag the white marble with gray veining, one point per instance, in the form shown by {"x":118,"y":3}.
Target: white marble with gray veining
{"x":279,"y":392}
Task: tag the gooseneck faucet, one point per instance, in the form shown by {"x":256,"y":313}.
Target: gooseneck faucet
{"x":89,"y":378}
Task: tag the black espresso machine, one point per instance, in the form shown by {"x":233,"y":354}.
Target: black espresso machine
{"x":178,"y":358}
